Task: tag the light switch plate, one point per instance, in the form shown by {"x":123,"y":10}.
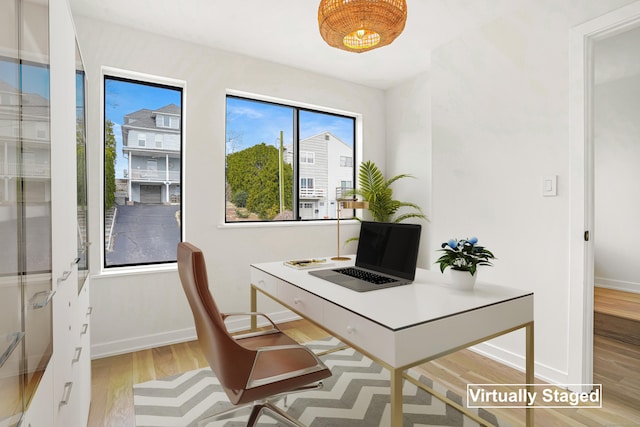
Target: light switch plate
{"x":550,"y":185}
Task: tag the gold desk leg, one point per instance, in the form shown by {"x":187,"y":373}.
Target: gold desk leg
{"x":254,"y":308}
{"x":396,"y":397}
{"x":530,"y":367}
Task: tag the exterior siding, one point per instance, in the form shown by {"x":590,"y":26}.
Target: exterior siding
{"x":326,"y":172}
{"x":157,"y":161}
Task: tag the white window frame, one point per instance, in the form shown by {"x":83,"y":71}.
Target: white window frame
{"x":357,"y":151}
{"x":133,"y":75}
{"x":308,"y":157}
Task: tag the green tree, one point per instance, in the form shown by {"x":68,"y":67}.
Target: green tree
{"x":255,"y":171}
{"x":81,"y":163}
{"x":109,"y":165}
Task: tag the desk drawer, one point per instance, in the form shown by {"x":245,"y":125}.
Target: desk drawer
{"x":303,"y":302}
{"x":361,"y":332}
{"x":264,"y":281}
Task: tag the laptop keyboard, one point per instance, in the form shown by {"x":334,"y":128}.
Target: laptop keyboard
{"x":365,"y":275}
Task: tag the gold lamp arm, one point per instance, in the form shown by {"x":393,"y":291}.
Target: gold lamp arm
{"x":347,"y":204}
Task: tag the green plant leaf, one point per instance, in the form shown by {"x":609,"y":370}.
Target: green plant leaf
{"x":376,"y":190}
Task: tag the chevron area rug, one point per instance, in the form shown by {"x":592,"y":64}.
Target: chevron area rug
{"x":357,"y":395}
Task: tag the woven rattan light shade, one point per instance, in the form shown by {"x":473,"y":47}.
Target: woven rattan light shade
{"x":361,"y":25}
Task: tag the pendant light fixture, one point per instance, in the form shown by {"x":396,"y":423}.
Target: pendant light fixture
{"x":361,"y":25}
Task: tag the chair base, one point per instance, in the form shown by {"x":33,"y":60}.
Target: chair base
{"x":261,"y":407}
{"x":270,"y":409}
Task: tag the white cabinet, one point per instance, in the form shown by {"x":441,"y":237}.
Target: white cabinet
{"x":64,"y":393}
{"x":25,"y":209}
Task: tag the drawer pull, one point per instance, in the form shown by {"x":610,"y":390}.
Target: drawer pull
{"x":67,"y":393}
{"x":75,"y":261}
{"x":14,"y":339}
{"x":77,"y":355}
{"x":65,"y":276}
{"x":89,"y":311}
{"x":84,"y":329}
{"x":41,"y":299}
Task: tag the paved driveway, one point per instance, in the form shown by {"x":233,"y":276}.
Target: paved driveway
{"x":144,"y":234}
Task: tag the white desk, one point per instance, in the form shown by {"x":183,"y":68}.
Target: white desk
{"x":404,"y":326}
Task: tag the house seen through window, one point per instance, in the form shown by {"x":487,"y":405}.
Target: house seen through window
{"x":142,"y":172}
{"x":286,"y":163}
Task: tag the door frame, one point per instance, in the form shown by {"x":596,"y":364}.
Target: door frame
{"x":581,"y":65}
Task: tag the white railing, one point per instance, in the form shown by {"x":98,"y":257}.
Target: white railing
{"x":312,"y":193}
{"x":28,"y":170}
{"x":154,"y":175}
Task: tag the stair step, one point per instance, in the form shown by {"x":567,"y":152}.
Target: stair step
{"x":617,"y":315}
{"x":618,"y":328}
{"x":617,"y":303}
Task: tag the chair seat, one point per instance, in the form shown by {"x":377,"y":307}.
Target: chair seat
{"x":280,"y":362}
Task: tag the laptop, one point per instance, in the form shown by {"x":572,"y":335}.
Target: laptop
{"x":387,"y":255}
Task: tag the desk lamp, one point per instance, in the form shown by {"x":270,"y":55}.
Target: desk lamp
{"x":347,"y":204}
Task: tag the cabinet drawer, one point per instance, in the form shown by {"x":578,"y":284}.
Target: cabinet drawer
{"x":359,"y":331}
{"x":305,"y":303}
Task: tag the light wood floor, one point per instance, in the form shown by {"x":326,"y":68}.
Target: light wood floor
{"x":617,"y":367}
{"x":617,"y":303}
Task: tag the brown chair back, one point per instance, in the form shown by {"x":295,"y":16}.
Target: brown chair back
{"x":228,"y":360}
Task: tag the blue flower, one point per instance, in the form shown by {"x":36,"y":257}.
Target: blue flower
{"x":473,"y":240}
{"x":452,"y":243}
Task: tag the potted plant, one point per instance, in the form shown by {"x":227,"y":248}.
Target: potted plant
{"x":463,"y":258}
{"x":376,"y":190}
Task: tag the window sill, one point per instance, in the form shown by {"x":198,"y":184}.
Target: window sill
{"x":137,"y":270}
{"x":276,"y":224}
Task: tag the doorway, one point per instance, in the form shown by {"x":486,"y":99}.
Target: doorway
{"x":616,"y":136}
{"x":582,"y":271}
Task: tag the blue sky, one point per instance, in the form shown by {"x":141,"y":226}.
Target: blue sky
{"x":253,"y":122}
{"x":35,"y":78}
{"x":123,"y":97}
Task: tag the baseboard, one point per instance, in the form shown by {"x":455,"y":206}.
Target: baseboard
{"x":618,"y":285}
{"x":516,"y":361}
{"x":128,"y":345}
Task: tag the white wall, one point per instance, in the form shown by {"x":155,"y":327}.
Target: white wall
{"x":409,"y":152}
{"x":500,"y":122}
{"x":146,"y":309}
{"x":617,"y":150}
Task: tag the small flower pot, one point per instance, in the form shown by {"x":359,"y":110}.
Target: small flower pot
{"x":462,"y":280}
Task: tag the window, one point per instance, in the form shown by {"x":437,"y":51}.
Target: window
{"x":346,"y":162}
{"x":306,"y":183}
{"x":140,"y":189}
{"x":284,"y":163}
{"x":307,"y":157}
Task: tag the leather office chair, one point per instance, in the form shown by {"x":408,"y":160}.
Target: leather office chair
{"x":252,"y":367}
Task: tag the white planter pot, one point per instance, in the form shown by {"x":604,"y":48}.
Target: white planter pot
{"x":462,"y":279}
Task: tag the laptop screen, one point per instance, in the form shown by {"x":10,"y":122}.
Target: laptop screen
{"x":390,"y":248}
